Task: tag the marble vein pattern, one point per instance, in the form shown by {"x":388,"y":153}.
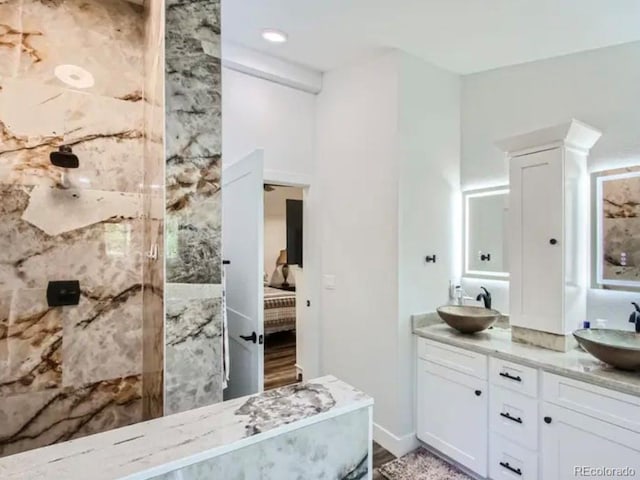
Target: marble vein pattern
{"x":37,"y":119}
{"x":70,"y":371}
{"x":288,"y":403}
{"x":335,"y":449}
{"x":38,"y":419}
{"x":150,"y":449}
{"x":193,"y":141}
{"x":193,"y":353}
{"x":621,"y":226}
{"x":575,"y":364}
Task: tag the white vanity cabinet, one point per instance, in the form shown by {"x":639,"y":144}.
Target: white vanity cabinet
{"x":584,"y":426}
{"x":506,"y":421}
{"x":452,"y":406}
{"x":548,"y":231}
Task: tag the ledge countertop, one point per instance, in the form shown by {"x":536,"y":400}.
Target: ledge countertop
{"x":145,"y":450}
{"x":496,"y":342}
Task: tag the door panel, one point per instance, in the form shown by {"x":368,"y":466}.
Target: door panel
{"x":243,"y":232}
{"x":452,"y":415}
{"x":572,"y":441}
{"x":536,"y":261}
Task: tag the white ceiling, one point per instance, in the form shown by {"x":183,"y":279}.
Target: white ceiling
{"x":463,"y":36}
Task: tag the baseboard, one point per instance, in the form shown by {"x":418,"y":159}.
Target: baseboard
{"x":399,"y":446}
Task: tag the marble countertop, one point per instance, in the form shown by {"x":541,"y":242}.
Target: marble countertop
{"x":497,"y":342}
{"x":147,"y":449}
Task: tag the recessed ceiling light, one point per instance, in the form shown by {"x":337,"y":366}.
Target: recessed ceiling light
{"x":274,"y":36}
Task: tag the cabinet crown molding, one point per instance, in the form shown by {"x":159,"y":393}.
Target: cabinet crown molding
{"x":573,"y":134}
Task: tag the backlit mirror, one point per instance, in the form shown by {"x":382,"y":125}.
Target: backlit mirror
{"x":617,"y":211}
{"x":485,"y":232}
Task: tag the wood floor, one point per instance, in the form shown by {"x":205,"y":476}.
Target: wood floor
{"x":280,"y":360}
{"x":380,"y":457}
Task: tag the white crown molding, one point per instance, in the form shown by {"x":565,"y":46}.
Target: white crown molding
{"x":260,"y":65}
{"x":574,"y":134}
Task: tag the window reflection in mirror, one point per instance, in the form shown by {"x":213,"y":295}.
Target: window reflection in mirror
{"x":485,"y":233}
{"x":617,"y":236}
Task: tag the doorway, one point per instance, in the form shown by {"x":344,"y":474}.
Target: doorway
{"x":265,"y":293}
{"x":283,"y":240}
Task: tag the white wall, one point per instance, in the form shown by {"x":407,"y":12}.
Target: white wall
{"x":600,"y":87}
{"x":258,"y":113}
{"x":357,"y":170}
{"x":388,"y":163}
{"x":429,"y":209}
{"x":275,"y":223}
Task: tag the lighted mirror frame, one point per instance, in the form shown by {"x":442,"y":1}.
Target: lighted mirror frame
{"x":467,"y":196}
{"x":601,"y":281}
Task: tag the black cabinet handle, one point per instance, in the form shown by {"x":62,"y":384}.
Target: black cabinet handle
{"x":511,"y":377}
{"x":478,"y":393}
{"x":553,"y":241}
{"x":506,"y":465}
{"x":430,"y":259}
{"x":509,"y":417}
{"x":547,"y":420}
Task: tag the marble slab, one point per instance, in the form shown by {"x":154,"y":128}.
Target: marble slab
{"x":146,"y":450}
{"x":576,"y":364}
{"x":193,"y":353}
{"x":37,"y":419}
{"x":337,"y":448}
{"x":193,"y":142}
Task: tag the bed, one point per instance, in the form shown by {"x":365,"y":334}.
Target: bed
{"x":279,"y":310}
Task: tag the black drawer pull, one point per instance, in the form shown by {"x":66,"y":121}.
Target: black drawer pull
{"x":509,"y":417}
{"x":506,"y":465}
{"x":511,"y":377}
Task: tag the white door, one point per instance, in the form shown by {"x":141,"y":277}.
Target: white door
{"x":452,"y":414}
{"x":242,"y":246}
{"x":573,"y":443}
{"x":537,"y":282}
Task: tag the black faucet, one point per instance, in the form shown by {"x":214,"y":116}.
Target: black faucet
{"x":486,"y":298}
{"x":635,"y":317}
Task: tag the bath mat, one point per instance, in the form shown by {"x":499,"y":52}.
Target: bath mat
{"x":420,"y":465}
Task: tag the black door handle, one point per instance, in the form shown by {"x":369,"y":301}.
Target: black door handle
{"x":511,"y":377}
{"x":506,"y":465}
{"x":509,"y":417}
{"x":250,"y":338}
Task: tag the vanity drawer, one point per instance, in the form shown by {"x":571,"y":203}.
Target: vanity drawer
{"x":514,"y":376}
{"x":514,"y":416}
{"x":464,"y":361}
{"x":508,"y":461}
{"x":606,"y":405}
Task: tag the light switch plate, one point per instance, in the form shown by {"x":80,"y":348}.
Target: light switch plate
{"x":329,"y":282}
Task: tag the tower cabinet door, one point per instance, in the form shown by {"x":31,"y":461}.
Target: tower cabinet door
{"x":452,"y":414}
{"x":579,"y":446}
{"x":536,"y":259}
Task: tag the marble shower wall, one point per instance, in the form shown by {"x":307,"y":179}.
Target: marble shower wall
{"x":70,"y":371}
{"x":193,"y":341}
